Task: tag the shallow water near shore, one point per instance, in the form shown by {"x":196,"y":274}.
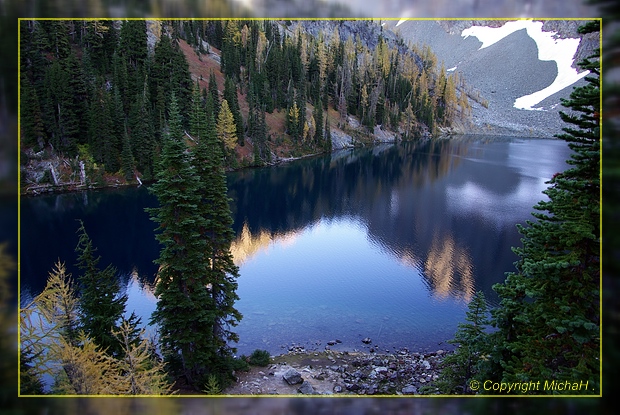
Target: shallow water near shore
{"x":388,"y":243}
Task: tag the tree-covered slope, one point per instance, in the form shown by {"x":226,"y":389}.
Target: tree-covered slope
{"x":95,"y":94}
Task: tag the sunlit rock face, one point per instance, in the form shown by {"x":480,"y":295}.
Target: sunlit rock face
{"x":517,"y":72}
{"x":550,"y":48}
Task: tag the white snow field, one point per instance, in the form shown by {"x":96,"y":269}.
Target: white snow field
{"x":550,"y":48}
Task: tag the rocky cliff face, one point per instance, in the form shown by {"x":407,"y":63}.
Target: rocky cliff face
{"x":502,"y":72}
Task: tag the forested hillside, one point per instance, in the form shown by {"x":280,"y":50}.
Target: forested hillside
{"x":95,"y":94}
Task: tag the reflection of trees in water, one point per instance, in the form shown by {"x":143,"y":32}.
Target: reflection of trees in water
{"x":145,"y":284}
{"x":390,"y":188}
{"x":449,"y":270}
{"x":291,"y":196}
{"x":117,"y":223}
{"x":246,"y":245}
{"x":397,"y":191}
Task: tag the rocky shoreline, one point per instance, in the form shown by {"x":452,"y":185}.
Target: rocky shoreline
{"x":330,"y":372}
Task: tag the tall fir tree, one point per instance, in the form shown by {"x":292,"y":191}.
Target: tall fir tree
{"x":549,"y":318}
{"x":128,"y":164}
{"x":60,"y":119}
{"x":185,"y":307}
{"x":79,"y":92}
{"x":231,"y":59}
{"x":133,"y":51}
{"x":318,"y":119}
{"x":133,"y":43}
{"x":181,"y":80}
{"x":58,"y":36}
{"x":103,"y":141}
{"x":222,"y":273}
{"x":141,"y":133}
{"x":328,"y":133}
{"x":33,"y":132}
{"x":101,"y":303}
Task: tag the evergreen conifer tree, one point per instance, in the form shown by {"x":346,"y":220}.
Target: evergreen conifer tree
{"x":141,"y":133}
{"x":29,"y":382}
{"x":60,"y":119}
{"x":101,"y":304}
{"x":213,"y":91}
{"x":79,"y":95}
{"x":230,"y":95}
{"x":549,"y":320}
{"x":460,"y":367}
{"x":318,"y":117}
{"x":127,"y":158}
{"x":231,"y":59}
{"x":221,"y":272}
{"x":31,"y":119}
{"x":133,"y":43}
{"x":328,"y":133}
{"x":185,"y":309}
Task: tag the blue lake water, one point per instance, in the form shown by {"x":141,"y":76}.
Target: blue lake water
{"x":389,"y":242}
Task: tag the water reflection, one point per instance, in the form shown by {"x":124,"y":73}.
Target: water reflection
{"x":449,"y":270}
{"x":246,"y":245}
{"x":141,"y":299}
{"x":390,"y":241}
{"x":449,"y":205}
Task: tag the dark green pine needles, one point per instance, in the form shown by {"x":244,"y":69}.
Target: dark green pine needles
{"x":196,"y":280}
{"x":101,"y":304}
{"x":549,"y":316}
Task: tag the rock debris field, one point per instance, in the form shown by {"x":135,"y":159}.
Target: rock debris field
{"x":329,"y":372}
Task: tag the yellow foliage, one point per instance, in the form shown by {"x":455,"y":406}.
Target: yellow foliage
{"x":77,"y":364}
{"x":87,"y":370}
{"x":143,"y":375}
{"x":226,"y":128}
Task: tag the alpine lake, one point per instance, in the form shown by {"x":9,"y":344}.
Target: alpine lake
{"x":388,"y":243}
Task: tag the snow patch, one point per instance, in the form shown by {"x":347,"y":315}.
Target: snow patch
{"x":561,"y":51}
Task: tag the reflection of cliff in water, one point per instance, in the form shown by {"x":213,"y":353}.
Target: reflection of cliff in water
{"x":426,"y":204}
{"x":393,"y":190}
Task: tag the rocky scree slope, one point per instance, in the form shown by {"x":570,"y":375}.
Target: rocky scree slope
{"x":502,"y":72}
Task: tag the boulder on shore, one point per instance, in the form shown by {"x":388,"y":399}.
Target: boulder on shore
{"x":306,"y":388}
{"x":292,"y":377}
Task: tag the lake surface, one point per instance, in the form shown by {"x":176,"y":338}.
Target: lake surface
{"x":389,"y":242}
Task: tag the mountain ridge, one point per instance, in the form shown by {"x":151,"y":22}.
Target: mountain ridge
{"x":504,"y":71}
